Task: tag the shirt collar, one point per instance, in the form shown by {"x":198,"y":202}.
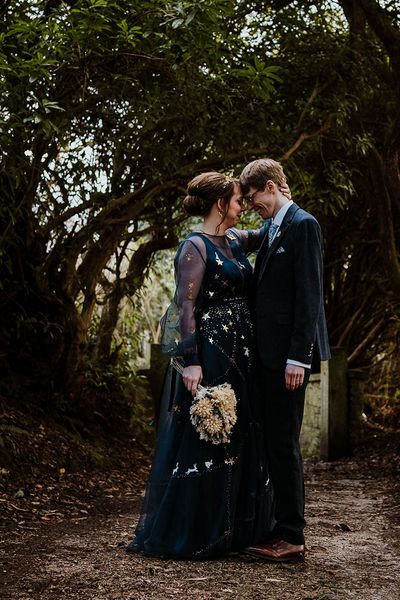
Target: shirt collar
{"x":280,"y":215}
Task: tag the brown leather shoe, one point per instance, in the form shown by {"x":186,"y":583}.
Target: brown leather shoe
{"x":281,"y":551}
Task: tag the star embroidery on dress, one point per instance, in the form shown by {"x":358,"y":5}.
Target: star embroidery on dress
{"x":224,"y":327}
{"x":211,"y":340}
{"x":229,"y":312}
{"x":229,"y":461}
{"x":216,"y":276}
{"x":176,"y":469}
{"x":205,"y":316}
{"x":230,"y":324}
{"x":208,"y":464}
{"x":242,"y":337}
{"x":218,"y":260}
{"x":246,"y":351}
{"x":211,"y":294}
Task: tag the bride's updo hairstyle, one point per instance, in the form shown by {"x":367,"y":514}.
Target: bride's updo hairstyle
{"x":205,"y":189}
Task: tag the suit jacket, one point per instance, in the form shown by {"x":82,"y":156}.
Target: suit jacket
{"x":288,"y":294}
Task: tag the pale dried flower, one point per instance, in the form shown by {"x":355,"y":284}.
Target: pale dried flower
{"x":213,"y":413}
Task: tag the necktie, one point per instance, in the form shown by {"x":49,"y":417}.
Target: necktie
{"x":271,"y":232}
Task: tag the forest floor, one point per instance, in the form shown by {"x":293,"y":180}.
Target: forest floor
{"x":64,"y":537}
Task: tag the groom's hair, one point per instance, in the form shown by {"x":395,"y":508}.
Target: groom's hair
{"x":258,"y":172}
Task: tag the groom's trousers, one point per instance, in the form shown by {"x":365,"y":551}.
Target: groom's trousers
{"x":282,"y":411}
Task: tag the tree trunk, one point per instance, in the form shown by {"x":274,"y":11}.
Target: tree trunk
{"x":41,"y":335}
{"x":132,"y":281}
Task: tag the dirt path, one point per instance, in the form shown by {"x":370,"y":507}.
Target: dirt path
{"x":352,"y":539}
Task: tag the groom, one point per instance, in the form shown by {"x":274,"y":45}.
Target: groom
{"x":290,"y":331}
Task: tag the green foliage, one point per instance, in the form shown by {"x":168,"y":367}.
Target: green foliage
{"x":261,"y":76}
{"x":115,"y":396}
{"x":155,"y":295}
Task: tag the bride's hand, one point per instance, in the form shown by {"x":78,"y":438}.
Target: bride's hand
{"x":192,"y":376}
{"x":285,"y":189}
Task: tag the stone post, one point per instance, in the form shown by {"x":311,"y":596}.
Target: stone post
{"x":310,"y":436}
{"x":334,"y":406}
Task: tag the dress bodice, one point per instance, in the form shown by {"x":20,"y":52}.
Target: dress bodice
{"x":227,"y":272}
{"x":208,"y":270}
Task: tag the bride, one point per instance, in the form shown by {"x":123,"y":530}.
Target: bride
{"x":204,"y":500}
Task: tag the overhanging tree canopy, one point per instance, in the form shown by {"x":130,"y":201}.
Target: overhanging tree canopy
{"x":108,"y":108}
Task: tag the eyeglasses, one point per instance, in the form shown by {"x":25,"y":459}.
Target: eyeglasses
{"x":251,"y":197}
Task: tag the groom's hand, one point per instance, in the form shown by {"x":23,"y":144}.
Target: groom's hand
{"x":285,"y":189}
{"x":294,"y":376}
{"x":192,"y":376}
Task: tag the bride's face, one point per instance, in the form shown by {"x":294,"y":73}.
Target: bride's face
{"x":235,"y":208}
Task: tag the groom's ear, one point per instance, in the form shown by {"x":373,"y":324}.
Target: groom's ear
{"x":270,"y":186}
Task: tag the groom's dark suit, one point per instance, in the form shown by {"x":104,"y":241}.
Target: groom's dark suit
{"x":290,"y":324}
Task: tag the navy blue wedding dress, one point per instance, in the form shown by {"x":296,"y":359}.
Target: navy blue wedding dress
{"x":204,"y":500}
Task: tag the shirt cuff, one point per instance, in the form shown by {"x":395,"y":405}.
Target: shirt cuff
{"x":297,"y":363}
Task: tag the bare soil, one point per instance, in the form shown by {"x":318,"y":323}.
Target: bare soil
{"x":68,"y":542}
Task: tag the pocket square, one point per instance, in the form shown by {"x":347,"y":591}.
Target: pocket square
{"x":280,"y":250}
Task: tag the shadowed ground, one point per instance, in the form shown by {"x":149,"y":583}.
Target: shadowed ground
{"x":77,"y":550}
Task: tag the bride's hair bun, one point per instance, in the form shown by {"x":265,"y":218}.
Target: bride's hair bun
{"x":195,"y":205}
{"x":205,"y":189}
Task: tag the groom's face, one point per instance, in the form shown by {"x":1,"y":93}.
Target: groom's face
{"x":263,"y":201}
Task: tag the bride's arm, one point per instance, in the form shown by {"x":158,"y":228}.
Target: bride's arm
{"x":251,"y":239}
{"x":190,"y":269}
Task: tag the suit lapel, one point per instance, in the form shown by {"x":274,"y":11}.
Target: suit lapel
{"x":278,"y":239}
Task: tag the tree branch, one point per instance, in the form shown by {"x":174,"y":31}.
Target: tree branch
{"x":307,"y":136}
{"x":317,"y":89}
{"x":382,"y":24}
{"x":367,"y":340}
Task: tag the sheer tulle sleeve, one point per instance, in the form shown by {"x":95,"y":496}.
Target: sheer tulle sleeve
{"x":190,"y":267}
{"x":251,"y":239}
